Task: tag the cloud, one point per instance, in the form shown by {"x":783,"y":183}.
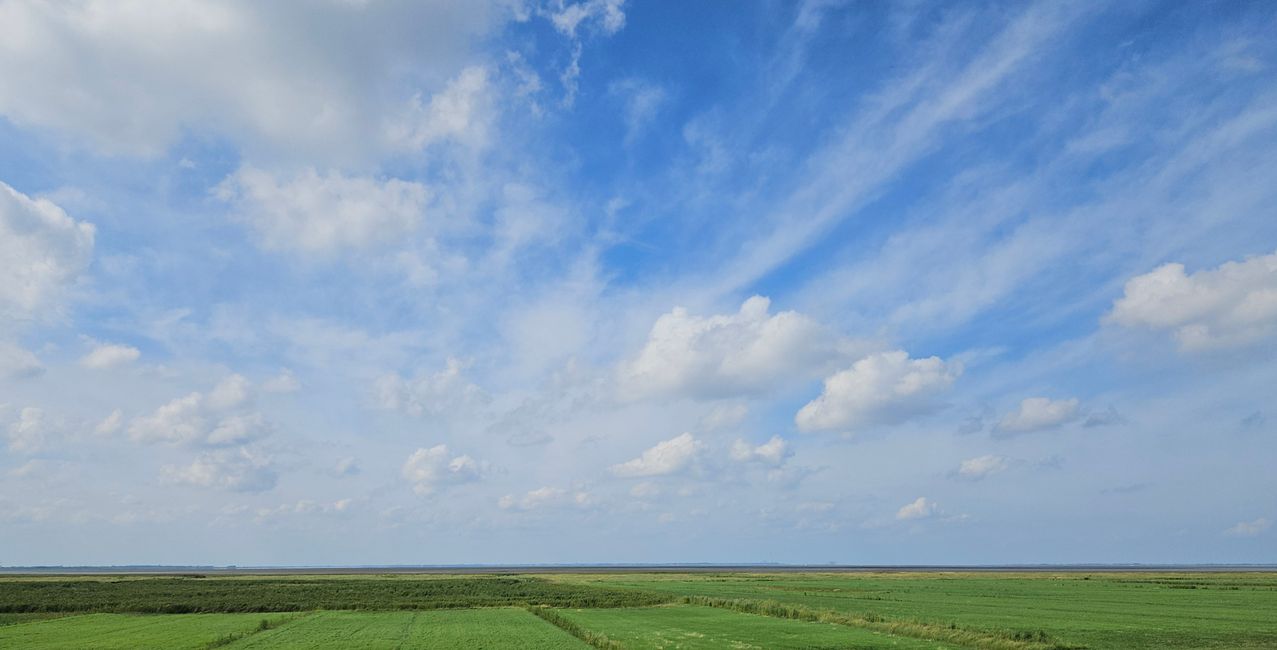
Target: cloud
{"x":920,"y":508}
{"x":312,"y":212}
{"x":224,"y":416}
{"x":1038,"y":414}
{"x":264,"y":76}
{"x":880,"y":389}
{"x":18,"y":363}
{"x":236,"y":470}
{"x":284,"y":382}
{"x":1249,"y":528}
{"x":604,"y":15}
{"x":110,"y":424}
{"x":30,"y":432}
{"x":773,"y":452}
{"x":545,"y":497}
{"x":1232,"y":305}
{"x":105,"y":356}
{"x":982,"y":466}
{"x":640,"y":101}
{"x":725,"y":355}
{"x":348,"y":466}
{"x":667,"y":457}
{"x":41,"y":251}
{"x":459,"y":113}
{"x":724,"y":416}
{"x":432,"y":469}
{"x":431,"y":394}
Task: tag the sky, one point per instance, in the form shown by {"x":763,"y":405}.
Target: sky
{"x":364,"y":282}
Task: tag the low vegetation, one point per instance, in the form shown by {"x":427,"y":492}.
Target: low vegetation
{"x":989,"y":611}
{"x":185,"y":595}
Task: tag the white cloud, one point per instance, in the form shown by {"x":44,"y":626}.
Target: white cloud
{"x":237,"y":470}
{"x":545,"y":497}
{"x":921,"y":508}
{"x":41,"y":251}
{"x":284,"y":382}
{"x":225,"y":416}
{"x":1037,"y":414}
{"x":605,"y":15}
{"x":304,"y":507}
{"x":883,"y":388}
{"x":105,"y":356}
{"x":641,"y":101}
{"x":1232,"y":305}
{"x":322,"y":213}
{"x":724,"y":355}
{"x":773,"y":452}
{"x":431,"y":469}
{"x":982,"y":466}
{"x":29,"y":433}
{"x":432,"y":394}
{"x":110,"y":424}
{"x":18,"y":363}
{"x":667,"y":457}
{"x":724,"y":416}
{"x":1249,"y":528}
{"x":131,"y":77}
{"x":458,"y":113}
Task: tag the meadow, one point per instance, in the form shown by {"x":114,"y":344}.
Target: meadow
{"x":992,"y":611}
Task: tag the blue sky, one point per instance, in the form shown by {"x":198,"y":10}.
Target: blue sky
{"x":604,"y":281}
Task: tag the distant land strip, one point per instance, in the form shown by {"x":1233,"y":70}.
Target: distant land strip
{"x":462,"y":569}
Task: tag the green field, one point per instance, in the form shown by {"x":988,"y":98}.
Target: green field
{"x":991,"y":611}
{"x":696,"y":628}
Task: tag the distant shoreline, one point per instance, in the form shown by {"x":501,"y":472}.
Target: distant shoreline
{"x":463,"y":569}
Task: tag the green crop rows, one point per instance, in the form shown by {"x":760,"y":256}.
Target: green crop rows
{"x":990,"y":611}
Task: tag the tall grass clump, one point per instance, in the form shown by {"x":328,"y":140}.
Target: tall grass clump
{"x":590,"y":637}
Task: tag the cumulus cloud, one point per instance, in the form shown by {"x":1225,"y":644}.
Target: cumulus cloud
{"x":223,"y":416}
{"x":1232,"y":305}
{"x":1249,"y":528}
{"x":430,"y":470}
{"x":667,"y":457}
{"x":428,"y":394}
{"x":41,"y":251}
{"x":108,"y":355}
{"x":725,"y":355}
{"x":1038,"y":414}
{"x":880,"y":389}
{"x":321,"y":213}
{"x":773,"y":452}
{"x":18,"y":363}
{"x":982,"y":466}
{"x":545,"y":497}
{"x":920,"y":508}
{"x":605,"y":15}
{"x":236,"y":470}
{"x":131,"y":77}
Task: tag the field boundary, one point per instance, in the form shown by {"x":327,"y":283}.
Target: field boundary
{"x":590,"y":637}
{"x":952,"y":633}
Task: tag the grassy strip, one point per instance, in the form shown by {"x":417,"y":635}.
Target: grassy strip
{"x":1022,"y":640}
{"x":593,"y":639}
{"x":265,"y":624}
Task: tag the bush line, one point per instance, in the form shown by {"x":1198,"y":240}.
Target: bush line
{"x":1021,"y":640}
{"x":591,"y":638}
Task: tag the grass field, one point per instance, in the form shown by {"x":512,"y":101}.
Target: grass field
{"x":696,"y":628}
{"x":990,"y":611}
{"x":493,"y":629}
{"x":126,"y":632}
